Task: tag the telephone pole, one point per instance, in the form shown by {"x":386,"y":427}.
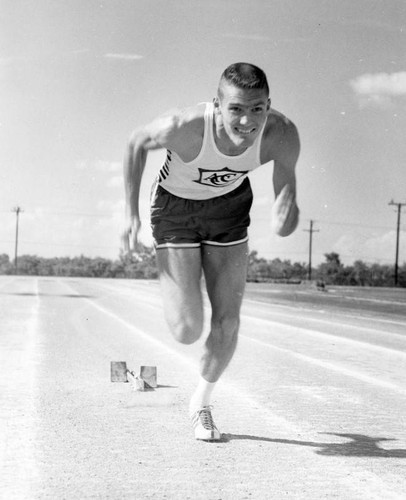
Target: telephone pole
{"x":310,"y":231}
{"x":399,"y":206}
{"x":17,"y":211}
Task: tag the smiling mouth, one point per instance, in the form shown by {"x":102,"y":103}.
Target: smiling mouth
{"x":245,"y":131}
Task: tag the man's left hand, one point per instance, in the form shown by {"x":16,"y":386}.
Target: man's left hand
{"x":285,"y":212}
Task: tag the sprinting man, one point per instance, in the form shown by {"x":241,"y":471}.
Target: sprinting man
{"x":200,"y":208}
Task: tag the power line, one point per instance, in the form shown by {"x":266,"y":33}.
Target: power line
{"x":17,"y":211}
{"x":310,"y":231}
{"x":399,"y":207}
{"x":354,"y":224}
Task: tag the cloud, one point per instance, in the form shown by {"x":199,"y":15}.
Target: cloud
{"x":113,"y":207}
{"x":123,"y":57}
{"x":116,"y":181}
{"x":108,"y":166}
{"x":375,"y":248}
{"x":100,"y":165}
{"x":380,"y":88}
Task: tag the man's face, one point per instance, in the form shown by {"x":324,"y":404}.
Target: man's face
{"x":244,"y":112}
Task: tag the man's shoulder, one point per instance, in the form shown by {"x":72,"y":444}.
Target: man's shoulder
{"x":280,"y":137}
{"x":176,"y":124}
{"x":185,"y":117}
{"x":278,"y":124}
{"x":181,"y":122}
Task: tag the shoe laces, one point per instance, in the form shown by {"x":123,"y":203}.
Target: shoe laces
{"x":206,"y":418}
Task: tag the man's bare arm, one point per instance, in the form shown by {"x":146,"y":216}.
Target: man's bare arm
{"x":154,"y":136}
{"x":285,"y":212}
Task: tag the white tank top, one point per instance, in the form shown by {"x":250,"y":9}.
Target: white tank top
{"x":212,"y":173}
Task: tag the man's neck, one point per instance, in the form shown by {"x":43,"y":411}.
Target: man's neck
{"x":223,"y":142}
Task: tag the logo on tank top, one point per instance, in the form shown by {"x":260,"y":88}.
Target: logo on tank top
{"x":219,"y":178}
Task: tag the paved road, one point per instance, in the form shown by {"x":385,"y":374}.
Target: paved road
{"x":312,"y":407}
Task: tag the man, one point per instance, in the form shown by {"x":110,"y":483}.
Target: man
{"x":200,"y":211}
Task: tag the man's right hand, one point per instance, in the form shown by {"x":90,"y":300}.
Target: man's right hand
{"x":129,"y":236}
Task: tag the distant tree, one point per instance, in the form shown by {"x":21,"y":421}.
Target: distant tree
{"x":260,"y":269}
{"x":5,"y":264}
{"x":333,"y":259}
{"x":402,"y":275}
{"x":360,"y":274}
{"x":331,"y":271}
{"x":381,"y":275}
{"x":299,"y":270}
{"x":142,"y":265}
{"x":100,"y":268}
{"x":29,"y":265}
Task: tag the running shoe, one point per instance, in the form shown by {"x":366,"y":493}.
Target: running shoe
{"x":204,"y":426}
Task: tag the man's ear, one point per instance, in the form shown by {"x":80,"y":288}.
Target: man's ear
{"x":216,"y":103}
{"x":268,"y":105}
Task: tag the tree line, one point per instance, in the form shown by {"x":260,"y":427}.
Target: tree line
{"x":141,"y":265}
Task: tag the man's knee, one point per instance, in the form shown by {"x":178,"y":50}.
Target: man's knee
{"x":186,"y":331}
{"x":225,"y":328}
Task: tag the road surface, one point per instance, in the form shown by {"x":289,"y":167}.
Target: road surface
{"x":312,"y":406}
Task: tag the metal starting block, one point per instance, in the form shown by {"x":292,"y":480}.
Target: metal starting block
{"x":148,"y":375}
{"x":146,"y":380}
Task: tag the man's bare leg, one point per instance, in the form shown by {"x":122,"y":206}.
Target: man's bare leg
{"x":180,"y":271}
{"x":225,"y":270}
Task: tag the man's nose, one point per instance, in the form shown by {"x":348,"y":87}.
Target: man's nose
{"x":244,"y":120}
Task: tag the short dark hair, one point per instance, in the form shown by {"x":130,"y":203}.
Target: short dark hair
{"x":244,"y":76}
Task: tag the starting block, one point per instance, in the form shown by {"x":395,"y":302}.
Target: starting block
{"x":146,"y":380}
{"x":148,"y":375}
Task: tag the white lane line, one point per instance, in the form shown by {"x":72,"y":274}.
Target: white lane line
{"x":324,"y":335}
{"x":140,"y":333}
{"x":301,"y":308}
{"x":18,"y":412}
{"x":373,"y":300}
{"x":330,"y":366}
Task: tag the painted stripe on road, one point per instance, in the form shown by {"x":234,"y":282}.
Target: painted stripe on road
{"x":310,"y":310}
{"x":330,"y":366}
{"x":18,"y":411}
{"x":322,"y":335}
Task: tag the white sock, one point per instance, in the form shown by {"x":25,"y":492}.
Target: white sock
{"x":201,"y":396}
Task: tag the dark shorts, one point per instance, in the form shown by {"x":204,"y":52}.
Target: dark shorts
{"x":219,"y":221}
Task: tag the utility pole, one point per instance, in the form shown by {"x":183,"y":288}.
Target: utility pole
{"x":17,"y":211}
{"x":310,"y":231}
{"x":399,"y":205}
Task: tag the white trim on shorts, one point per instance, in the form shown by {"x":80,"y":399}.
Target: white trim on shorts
{"x":198,"y":245}
{"x":178,"y":245}
{"x":228,"y":244}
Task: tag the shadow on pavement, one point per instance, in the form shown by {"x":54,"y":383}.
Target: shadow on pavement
{"x":358,"y":446}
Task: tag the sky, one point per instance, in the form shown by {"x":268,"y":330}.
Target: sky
{"x":76,"y":77}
